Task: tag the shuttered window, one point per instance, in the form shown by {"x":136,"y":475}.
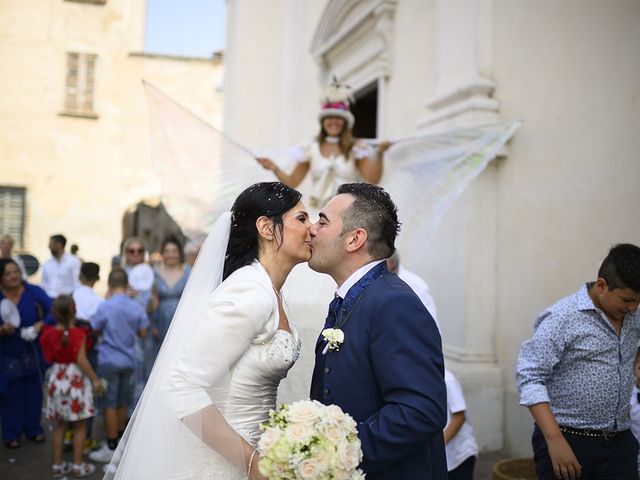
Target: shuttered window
{"x":12,"y":213}
{"x":80,"y":84}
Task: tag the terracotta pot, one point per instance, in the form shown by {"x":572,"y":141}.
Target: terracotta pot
{"x":514,"y":469}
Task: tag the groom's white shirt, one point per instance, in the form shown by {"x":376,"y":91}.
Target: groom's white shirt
{"x":354,"y":277}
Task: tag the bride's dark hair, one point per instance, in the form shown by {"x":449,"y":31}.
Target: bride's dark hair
{"x":269,"y":199}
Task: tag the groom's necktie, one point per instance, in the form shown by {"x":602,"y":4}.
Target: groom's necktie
{"x":334,"y":308}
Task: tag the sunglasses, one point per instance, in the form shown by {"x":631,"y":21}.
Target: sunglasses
{"x":135,"y":250}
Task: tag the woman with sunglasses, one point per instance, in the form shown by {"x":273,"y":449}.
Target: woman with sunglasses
{"x":140,"y":276}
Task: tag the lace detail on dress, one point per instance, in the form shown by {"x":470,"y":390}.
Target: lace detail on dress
{"x":284,"y":346}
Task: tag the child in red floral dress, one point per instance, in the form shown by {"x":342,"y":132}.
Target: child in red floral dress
{"x":69,"y":382}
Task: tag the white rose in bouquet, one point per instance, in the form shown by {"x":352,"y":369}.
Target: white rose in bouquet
{"x":269,"y":438}
{"x":303,"y":412}
{"x":334,"y":414}
{"x":349,"y":455}
{"x":333,"y":433}
{"x":308,"y":469}
{"x":299,"y":432}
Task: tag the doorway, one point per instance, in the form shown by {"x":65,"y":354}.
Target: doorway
{"x":365,"y":111}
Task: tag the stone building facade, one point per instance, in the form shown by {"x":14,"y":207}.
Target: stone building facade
{"x":74,"y":126}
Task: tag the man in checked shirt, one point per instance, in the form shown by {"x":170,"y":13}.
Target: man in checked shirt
{"x":576,"y":374}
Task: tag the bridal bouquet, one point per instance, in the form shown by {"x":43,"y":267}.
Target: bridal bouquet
{"x":310,"y":441}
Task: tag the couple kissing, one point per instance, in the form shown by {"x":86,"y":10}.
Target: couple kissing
{"x":230,"y":343}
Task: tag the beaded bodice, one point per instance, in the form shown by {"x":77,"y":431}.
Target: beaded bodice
{"x":254,"y":381}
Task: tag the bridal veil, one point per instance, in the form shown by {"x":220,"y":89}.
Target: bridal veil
{"x":152,"y":446}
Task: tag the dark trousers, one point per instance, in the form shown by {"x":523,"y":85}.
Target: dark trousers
{"x":21,"y":408}
{"x":464,"y":471}
{"x":615,"y":458}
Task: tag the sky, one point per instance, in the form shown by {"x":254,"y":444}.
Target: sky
{"x":193,"y":28}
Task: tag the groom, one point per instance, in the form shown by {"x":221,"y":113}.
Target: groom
{"x":387,"y":373}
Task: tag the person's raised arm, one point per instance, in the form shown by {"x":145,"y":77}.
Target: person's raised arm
{"x":370,"y":167}
{"x":292,"y":179}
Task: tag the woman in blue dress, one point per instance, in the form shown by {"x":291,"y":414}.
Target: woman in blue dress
{"x":22,"y":362}
{"x":170,"y":278}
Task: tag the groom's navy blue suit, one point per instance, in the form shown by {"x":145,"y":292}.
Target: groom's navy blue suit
{"x":389,"y":376}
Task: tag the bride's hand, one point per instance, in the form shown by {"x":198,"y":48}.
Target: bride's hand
{"x":254,"y":473}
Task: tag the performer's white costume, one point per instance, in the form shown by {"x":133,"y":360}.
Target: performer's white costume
{"x":329,"y":172}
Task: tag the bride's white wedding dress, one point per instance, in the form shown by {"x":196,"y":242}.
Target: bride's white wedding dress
{"x":224,"y":348}
{"x":251,"y":394}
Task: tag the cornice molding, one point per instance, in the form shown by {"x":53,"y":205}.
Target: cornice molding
{"x":341,"y":18}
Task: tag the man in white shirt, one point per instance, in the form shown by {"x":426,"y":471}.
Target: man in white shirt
{"x":417,"y":284}
{"x":60,"y":274}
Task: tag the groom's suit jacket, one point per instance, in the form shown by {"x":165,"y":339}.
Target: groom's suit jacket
{"x":389,"y":376}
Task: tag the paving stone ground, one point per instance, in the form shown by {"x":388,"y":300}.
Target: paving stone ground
{"x":33,"y":461}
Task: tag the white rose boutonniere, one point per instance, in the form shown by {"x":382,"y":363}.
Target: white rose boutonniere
{"x":334,"y":338}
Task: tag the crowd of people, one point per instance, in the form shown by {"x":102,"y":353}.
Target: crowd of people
{"x":69,"y":352}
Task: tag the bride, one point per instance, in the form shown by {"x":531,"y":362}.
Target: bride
{"x":229,"y":345}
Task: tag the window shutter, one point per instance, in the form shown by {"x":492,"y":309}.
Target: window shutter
{"x":12,"y":213}
{"x":80,"y":83}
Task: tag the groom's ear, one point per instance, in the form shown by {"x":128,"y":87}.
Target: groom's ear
{"x":264,"y":225}
{"x":356,"y":240}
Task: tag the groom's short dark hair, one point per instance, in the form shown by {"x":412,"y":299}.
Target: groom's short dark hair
{"x":373,"y":210}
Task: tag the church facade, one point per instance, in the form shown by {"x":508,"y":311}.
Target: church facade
{"x":540,"y":218}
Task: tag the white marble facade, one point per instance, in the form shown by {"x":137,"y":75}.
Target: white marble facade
{"x":539,"y":219}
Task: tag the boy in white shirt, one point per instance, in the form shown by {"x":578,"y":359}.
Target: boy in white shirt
{"x":85,"y":298}
{"x":460,"y":444}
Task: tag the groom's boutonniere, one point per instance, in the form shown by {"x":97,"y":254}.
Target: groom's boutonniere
{"x":334,"y":338}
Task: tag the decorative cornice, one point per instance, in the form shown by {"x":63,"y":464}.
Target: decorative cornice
{"x":477,"y":87}
{"x":473,"y":99}
{"x":216,"y":57}
{"x":335,"y":25}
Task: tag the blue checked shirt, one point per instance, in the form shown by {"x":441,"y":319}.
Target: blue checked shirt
{"x":577,"y":363}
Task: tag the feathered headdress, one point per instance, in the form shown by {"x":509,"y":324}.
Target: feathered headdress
{"x":336,"y":101}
